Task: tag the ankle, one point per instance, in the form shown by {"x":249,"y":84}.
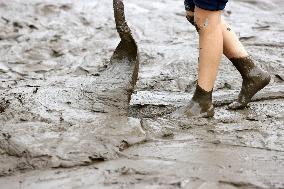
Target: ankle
{"x":244,"y":65}
{"x":248,"y":69}
{"x":202,"y":96}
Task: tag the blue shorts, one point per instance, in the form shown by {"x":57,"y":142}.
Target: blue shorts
{"x":212,"y":5}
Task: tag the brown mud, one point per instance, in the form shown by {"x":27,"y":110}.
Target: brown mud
{"x":65,"y":120}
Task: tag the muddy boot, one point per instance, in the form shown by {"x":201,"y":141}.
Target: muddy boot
{"x":199,"y":106}
{"x":254,"y":79}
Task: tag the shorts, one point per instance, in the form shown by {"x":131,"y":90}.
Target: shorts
{"x":212,"y":5}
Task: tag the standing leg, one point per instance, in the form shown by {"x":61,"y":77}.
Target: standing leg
{"x":207,"y":19}
{"x":209,"y":28}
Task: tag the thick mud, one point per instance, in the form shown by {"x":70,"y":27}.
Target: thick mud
{"x":55,"y":114}
{"x":65,"y":119}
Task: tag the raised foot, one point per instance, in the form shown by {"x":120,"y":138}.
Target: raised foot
{"x":257,"y":80}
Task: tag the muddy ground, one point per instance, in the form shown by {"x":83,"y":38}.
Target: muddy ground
{"x":65,"y":120}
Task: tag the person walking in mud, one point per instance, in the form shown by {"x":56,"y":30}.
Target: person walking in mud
{"x":216,"y":38}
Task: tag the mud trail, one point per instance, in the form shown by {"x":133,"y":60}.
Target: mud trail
{"x":65,"y":119}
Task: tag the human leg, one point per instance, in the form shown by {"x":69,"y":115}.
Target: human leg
{"x":254,"y":78}
{"x":208,"y":22}
{"x":210,"y":46}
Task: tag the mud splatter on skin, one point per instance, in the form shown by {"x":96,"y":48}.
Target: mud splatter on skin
{"x":206,"y":23}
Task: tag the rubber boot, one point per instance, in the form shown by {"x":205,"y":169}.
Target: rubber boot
{"x":200,"y":105}
{"x":254,"y":79}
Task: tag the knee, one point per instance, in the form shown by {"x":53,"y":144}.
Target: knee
{"x":205,"y":19}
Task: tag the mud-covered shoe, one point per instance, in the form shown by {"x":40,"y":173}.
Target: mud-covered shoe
{"x":200,"y":105}
{"x":254,"y":79}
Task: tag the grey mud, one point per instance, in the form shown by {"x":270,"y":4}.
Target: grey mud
{"x":65,"y":116}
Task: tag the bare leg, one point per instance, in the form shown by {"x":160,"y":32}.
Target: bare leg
{"x":232,"y":46}
{"x":254,"y":79}
{"x":208,"y":24}
{"x":210,"y":46}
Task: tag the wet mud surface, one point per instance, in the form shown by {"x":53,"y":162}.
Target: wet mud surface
{"x":65,"y":119}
